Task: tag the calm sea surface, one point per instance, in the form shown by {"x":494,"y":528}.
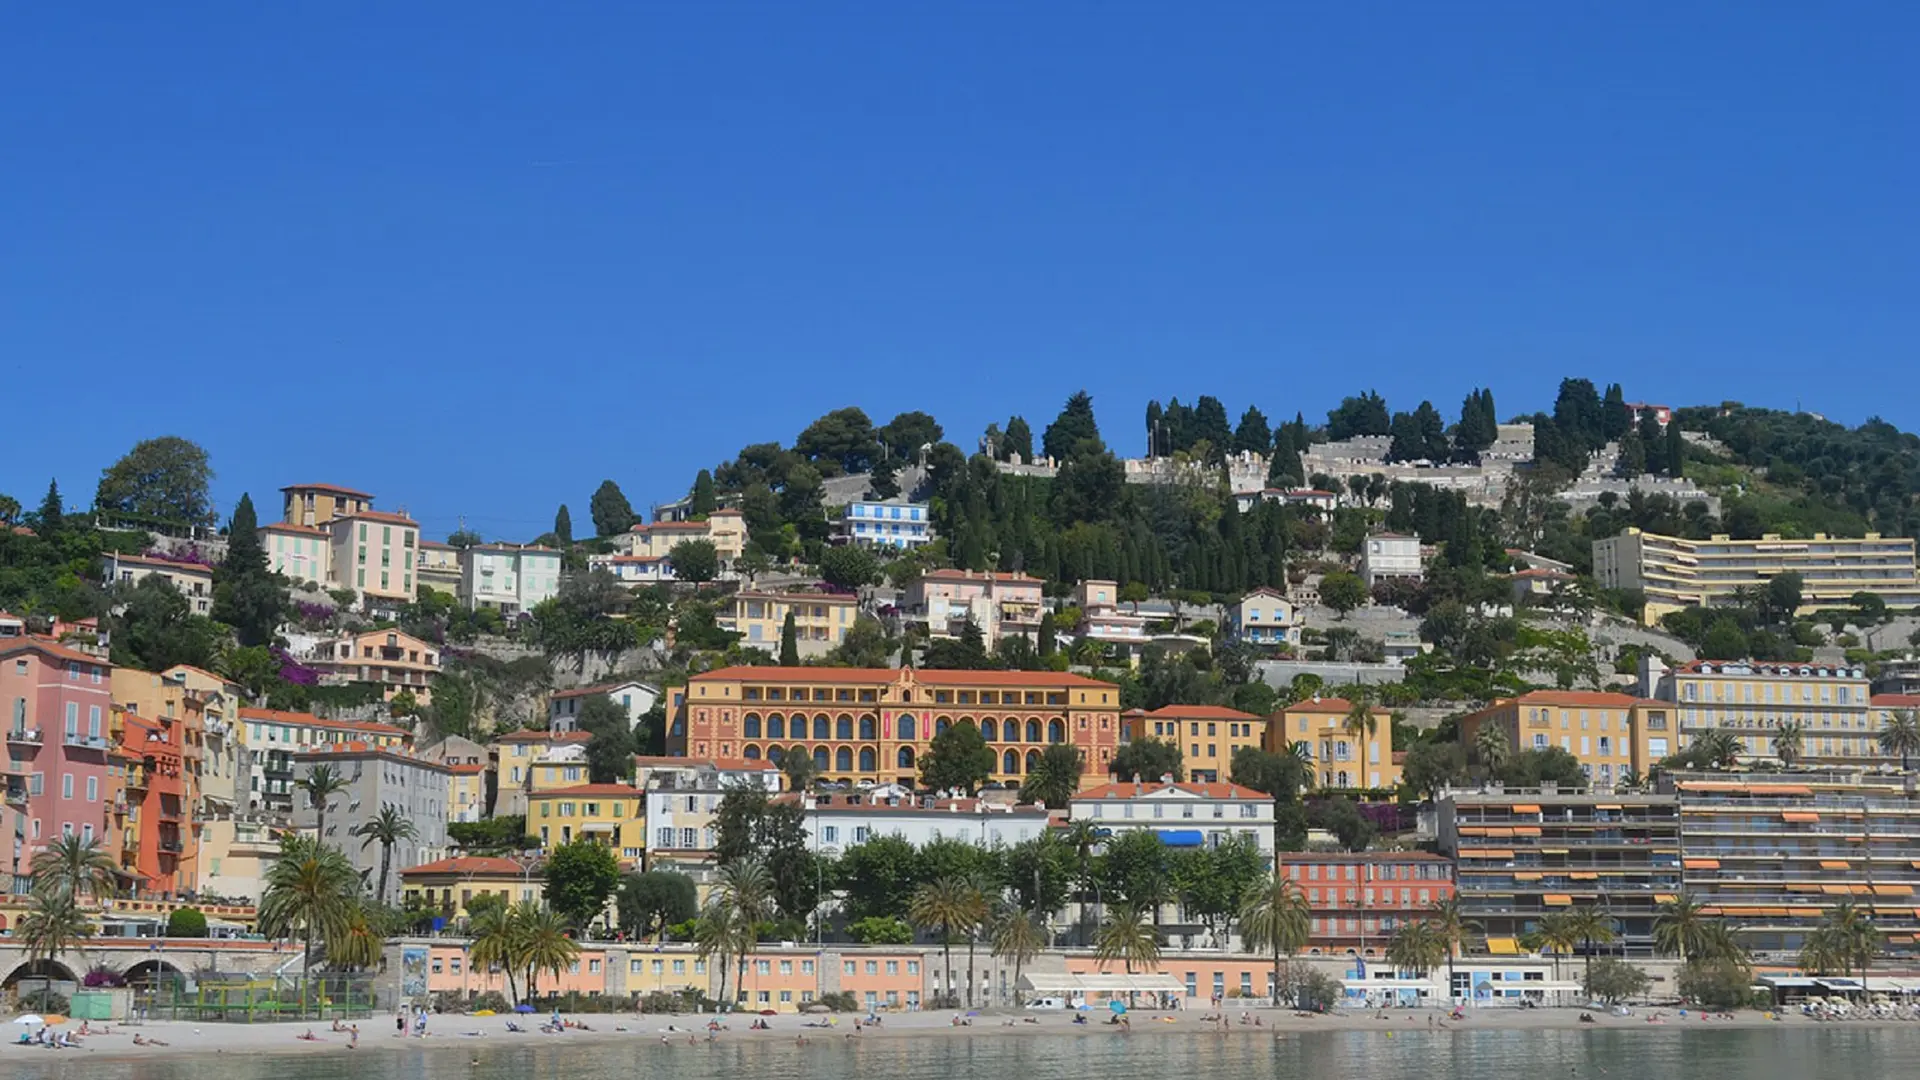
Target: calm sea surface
{"x":1825,"y":1053}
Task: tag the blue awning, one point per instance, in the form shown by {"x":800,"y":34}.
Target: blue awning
{"x":1181,"y":837}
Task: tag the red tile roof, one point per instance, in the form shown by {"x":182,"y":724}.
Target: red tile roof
{"x":48,"y":648}
{"x":379,"y":515}
{"x":1128,"y":789}
{"x":468,"y":770}
{"x":1200,"y":712}
{"x":589,"y":789}
{"x":290,"y":527}
{"x":1318,"y":706}
{"x":601,"y":688}
{"x":1897,"y":701}
{"x":276,"y":716}
{"x":991,"y":679}
{"x":929,"y":677}
{"x":334,"y":488}
{"x":984,"y":575}
{"x":468,"y":864}
{"x":645,"y":761}
{"x":169,"y":564}
{"x":529,"y":735}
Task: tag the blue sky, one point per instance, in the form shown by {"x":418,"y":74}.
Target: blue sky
{"x":476,"y":258}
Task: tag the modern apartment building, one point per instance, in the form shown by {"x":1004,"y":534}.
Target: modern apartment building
{"x":57,"y":703}
{"x":316,"y":505}
{"x":373,"y":554}
{"x":1773,"y":854}
{"x":389,"y":659}
{"x":191,"y":580}
{"x":1673,"y":572}
{"x":1337,"y":757}
{"x":1613,"y":736}
{"x":1263,"y":617}
{"x":1390,"y":556}
{"x":875,"y":723}
{"x":611,"y":815}
{"x":1360,"y":900}
{"x":894,"y":524}
{"x":1207,"y":735}
{"x":1520,"y":855}
{"x":820,"y":620}
{"x":300,"y":553}
{"x":508,"y":578}
{"x":379,"y":777}
{"x":998,"y":603}
{"x":1753,"y":700}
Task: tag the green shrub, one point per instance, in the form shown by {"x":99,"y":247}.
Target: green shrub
{"x":187,"y":922}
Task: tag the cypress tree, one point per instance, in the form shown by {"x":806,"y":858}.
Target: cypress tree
{"x":789,"y":643}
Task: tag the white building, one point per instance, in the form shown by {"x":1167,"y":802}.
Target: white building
{"x":300,"y":552}
{"x":508,"y":578}
{"x":1184,"y":814}
{"x":1314,"y":497}
{"x":890,"y":524}
{"x":634,"y":569}
{"x":683,"y":795}
{"x":1389,"y":555}
{"x":840,"y":820}
{"x":191,"y":580}
{"x":635,"y":698}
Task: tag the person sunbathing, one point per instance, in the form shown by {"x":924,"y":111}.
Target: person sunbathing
{"x":309,"y":1036}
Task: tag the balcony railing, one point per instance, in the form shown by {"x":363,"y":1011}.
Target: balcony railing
{"x":85,"y":742}
{"x":24,"y":735}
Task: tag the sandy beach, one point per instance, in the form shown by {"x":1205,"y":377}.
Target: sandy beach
{"x":477,"y":1033}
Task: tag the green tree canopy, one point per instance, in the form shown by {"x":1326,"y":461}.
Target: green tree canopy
{"x":959,"y":758}
{"x":246,"y":594}
{"x":612,"y":513}
{"x":580,"y":876}
{"x":1147,"y":759}
{"x":161,"y":480}
{"x":849,"y":566}
{"x":650,"y":902}
{"x":695,"y":560}
{"x":1073,"y":433}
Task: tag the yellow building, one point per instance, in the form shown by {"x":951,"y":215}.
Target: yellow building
{"x":316,"y":505}
{"x":373,"y":554}
{"x":613,"y":815}
{"x":1207,"y":736}
{"x":1753,"y":700}
{"x":1338,"y":759}
{"x":1673,"y":572}
{"x":820,"y":620}
{"x":449,"y":885}
{"x":388,"y":659}
{"x":466,"y":792}
{"x":1610,"y":735}
{"x":438,"y":567}
{"x":725,"y":529}
{"x":527,"y":761}
{"x":236,"y":850}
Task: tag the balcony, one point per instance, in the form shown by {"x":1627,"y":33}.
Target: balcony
{"x":29,"y":736}
{"x":172,"y":847}
{"x":16,"y":795}
{"x":78,"y":741}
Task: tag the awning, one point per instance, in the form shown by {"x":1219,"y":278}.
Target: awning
{"x":1664,"y":898}
{"x":1525,"y":808}
{"x":1503,"y":946}
{"x":1526,"y":830}
{"x":1100,"y":984}
{"x":1584,"y":875}
{"x":1527,"y":875}
{"x":600,"y":827}
{"x":1837,"y":890}
{"x":1558,"y":900}
{"x":1701,"y":864}
{"x":1608,"y":806}
{"x":1486,"y":853}
{"x":1798,"y":815}
{"x":1500,"y":831}
{"x":1893,"y":890}
{"x":1833,"y":864}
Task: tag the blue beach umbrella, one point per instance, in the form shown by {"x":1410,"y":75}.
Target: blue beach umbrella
{"x":523,"y":1007}
{"x":1119,"y":1007}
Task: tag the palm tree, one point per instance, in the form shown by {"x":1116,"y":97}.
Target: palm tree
{"x":1082,"y":837}
{"x":1019,"y":936}
{"x":1718,"y":942}
{"x":387,"y":829}
{"x":1055,"y":777}
{"x":1130,"y":937}
{"x":1718,"y":749}
{"x":799,"y":771}
{"x":1360,"y":724}
{"x":1452,"y":924}
{"x":1275,"y":916}
{"x":309,"y":888}
{"x":542,"y":942}
{"x":1417,"y":947}
{"x":1901,"y":735}
{"x":493,"y":945}
{"x":53,"y":924}
{"x":744,"y":897}
{"x":1846,"y":937}
{"x":1556,"y":933}
{"x":947,"y":904}
{"x":1592,"y":926}
{"x":978,"y":889}
{"x":358,"y":946}
{"x":713,"y":936}
{"x":1788,"y":739}
{"x":1680,"y":929}
{"x":321,"y":784}
{"x":74,"y":867}
{"x":1490,"y":743}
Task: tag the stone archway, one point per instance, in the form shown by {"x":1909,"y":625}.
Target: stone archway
{"x":51,"y":970}
{"x":152,"y":971}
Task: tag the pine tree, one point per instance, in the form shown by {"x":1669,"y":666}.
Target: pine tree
{"x":1253,"y":435}
{"x":246,"y":594}
{"x":563,"y":527}
{"x":52,"y":519}
{"x":1047,"y":634}
{"x":1676,"y":455}
{"x":789,"y":643}
{"x":1019,"y":440}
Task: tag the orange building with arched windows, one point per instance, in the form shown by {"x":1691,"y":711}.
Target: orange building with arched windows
{"x":875,"y":723}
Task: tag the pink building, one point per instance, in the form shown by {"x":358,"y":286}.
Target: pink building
{"x":999,"y":604}
{"x":57,"y":705}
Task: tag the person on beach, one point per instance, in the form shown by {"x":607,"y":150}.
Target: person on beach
{"x":353,"y":1037}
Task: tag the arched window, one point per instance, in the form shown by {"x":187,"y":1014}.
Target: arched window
{"x":753,"y":753}
{"x":822,"y":727}
{"x":908,"y":729}
{"x":940,"y":724}
{"x":775,"y":754}
{"x":843,"y":759}
{"x":905,"y":759}
{"x":750,"y":726}
{"x":869,"y":761}
{"x":868,"y":728}
{"x":1033,"y":731}
{"x":819,"y":759}
{"x":989,"y":730}
{"x":1010,"y":763}
{"x":1033,"y":760}
{"x":1056,"y":731}
{"x":776,"y":727}
{"x":843,"y":728}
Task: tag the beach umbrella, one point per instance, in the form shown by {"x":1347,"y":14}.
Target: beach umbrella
{"x":523,"y":1007}
{"x":29,"y":1018}
{"x":1119,"y":1007}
